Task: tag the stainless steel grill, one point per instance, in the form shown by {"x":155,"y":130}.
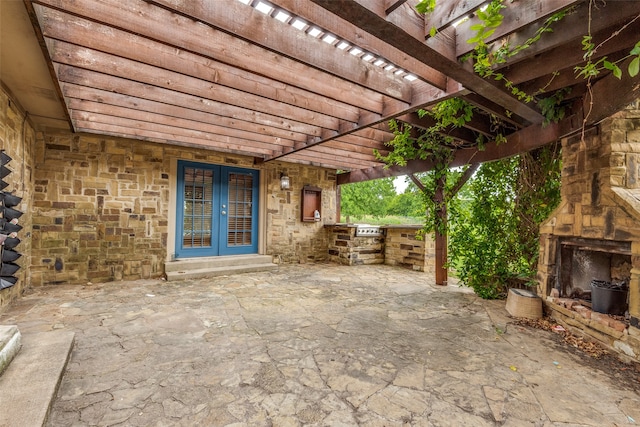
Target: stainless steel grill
{"x":363,"y":230}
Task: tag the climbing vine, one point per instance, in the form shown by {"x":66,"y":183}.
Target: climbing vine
{"x":494,"y":231}
{"x":493,"y":243}
{"x":433,"y":144}
{"x":485,"y":58}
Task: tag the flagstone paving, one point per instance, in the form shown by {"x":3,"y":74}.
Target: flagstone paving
{"x":313,"y":345}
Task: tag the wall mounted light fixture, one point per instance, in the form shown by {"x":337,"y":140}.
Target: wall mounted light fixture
{"x":284,"y":181}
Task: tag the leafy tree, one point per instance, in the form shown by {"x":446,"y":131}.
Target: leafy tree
{"x":367,"y":198}
{"x":407,"y":204}
{"x":494,"y":239}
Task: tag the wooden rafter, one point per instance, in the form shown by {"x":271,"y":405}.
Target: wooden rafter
{"x":609,"y":91}
{"x":378,"y":27}
{"x":527,"y":11}
{"x":222,"y":75}
{"x":356,"y":36}
{"x":448,"y":13}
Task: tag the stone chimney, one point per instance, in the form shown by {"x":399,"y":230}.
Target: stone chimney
{"x":595,"y":232}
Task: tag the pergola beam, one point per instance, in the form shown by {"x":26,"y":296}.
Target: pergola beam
{"x":100,"y":99}
{"x":259,"y":29}
{"x":186,"y":36}
{"x":228,"y":76}
{"x":74,"y":32}
{"x":84,"y":58}
{"x":351,"y":33}
{"x":609,"y":91}
{"x":574,"y":26}
{"x":447,"y":13}
{"x":379,"y":28}
{"x":526,"y":12}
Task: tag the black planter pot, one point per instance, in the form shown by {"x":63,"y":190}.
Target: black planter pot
{"x":8,"y":269}
{"x":9,"y":199}
{"x":5,"y":283}
{"x":10,"y":279}
{"x":10,"y":213}
{"x":4,"y":158}
{"x":608,"y":298}
{"x":9,"y":256}
{"x":8,"y":227}
{"x":4,"y":171}
{"x":11,"y":242}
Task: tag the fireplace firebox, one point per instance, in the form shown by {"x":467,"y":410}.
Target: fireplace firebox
{"x":589,"y":264}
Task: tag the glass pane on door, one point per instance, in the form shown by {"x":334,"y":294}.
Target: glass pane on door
{"x":198,"y":207}
{"x":240,"y":221}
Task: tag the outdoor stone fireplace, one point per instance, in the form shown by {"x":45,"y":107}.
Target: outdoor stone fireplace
{"x":594,"y":235}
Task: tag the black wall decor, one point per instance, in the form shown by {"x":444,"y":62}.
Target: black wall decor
{"x":9,"y":228}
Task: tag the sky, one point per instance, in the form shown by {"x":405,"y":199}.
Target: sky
{"x":400,"y":183}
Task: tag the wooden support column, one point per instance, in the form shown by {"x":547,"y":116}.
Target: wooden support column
{"x":441,"y":235}
{"x":440,"y":238}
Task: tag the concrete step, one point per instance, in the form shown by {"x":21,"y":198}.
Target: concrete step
{"x":214,"y":262}
{"x":29,"y":384}
{"x":197,"y":268}
{"x":10,"y":343}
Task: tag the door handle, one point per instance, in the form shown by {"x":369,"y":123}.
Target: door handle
{"x":223,"y":212}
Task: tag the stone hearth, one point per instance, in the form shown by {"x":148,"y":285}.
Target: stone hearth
{"x":595,"y":232}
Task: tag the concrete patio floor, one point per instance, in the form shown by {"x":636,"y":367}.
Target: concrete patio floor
{"x":317,"y":345}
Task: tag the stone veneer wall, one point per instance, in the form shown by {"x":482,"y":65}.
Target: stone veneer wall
{"x":348,"y":249}
{"x":101,"y":207}
{"x":288,"y":238}
{"x":404,"y":249}
{"x":16,"y":138}
{"x":600,"y":200}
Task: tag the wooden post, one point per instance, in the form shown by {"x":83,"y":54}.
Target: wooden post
{"x":441,"y":235}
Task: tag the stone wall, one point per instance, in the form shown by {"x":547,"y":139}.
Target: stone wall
{"x":348,"y":249}
{"x":600,"y":202}
{"x":288,"y":238}
{"x":16,"y":138}
{"x":101,"y":207}
{"x":403,"y":248}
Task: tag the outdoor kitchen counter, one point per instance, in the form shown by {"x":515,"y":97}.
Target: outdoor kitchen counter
{"x":399,"y":245}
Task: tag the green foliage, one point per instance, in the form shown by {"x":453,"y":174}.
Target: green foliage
{"x":376,"y":202}
{"x":429,"y":204}
{"x":426,"y":6}
{"x":592,"y":69}
{"x":493,"y":243}
{"x":486,"y":57}
{"x":368,"y":197}
{"x":552,"y":107}
{"x":407,"y":204}
{"x":428,"y":143}
{"x":634,"y":65}
{"x":454,"y":112}
{"x":384,"y":220}
{"x":491,"y":19}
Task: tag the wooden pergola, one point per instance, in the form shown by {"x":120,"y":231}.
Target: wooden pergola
{"x":316,"y":81}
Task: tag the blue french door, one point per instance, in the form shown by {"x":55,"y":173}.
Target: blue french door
{"x":217,"y":210}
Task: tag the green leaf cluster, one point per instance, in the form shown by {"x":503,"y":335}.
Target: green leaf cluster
{"x":493,"y":239}
{"x":367,"y":198}
{"x":592,"y":69}
{"x":378,"y":199}
{"x":426,"y":6}
{"x":491,"y":19}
